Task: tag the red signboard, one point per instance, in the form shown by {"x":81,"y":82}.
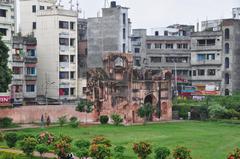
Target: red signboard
{"x":5,"y":100}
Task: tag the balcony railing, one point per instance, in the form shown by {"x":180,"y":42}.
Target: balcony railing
{"x":17,"y":58}
{"x":30,"y":77}
{"x":30,"y":59}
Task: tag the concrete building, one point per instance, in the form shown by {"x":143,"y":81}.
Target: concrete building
{"x":28,"y":14}
{"x":56,"y":34}
{"x":206,"y":59}
{"x":211,"y":25}
{"x":24,"y":61}
{"x":236,"y":13}
{"x":231,"y":56}
{"x":110,"y":32}
{"x":157,"y":52}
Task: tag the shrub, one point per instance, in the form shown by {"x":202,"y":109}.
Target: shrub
{"x":62,"y":147}
{"x":101,"y":140}
{"x":5,"y":122}
{"x":119,"y":152}
{"x":62,"y":120}
{"x":161,"y":153}
{"x":182,"y":110}
{"x":45,"y":138}
{"x":82,"y":153}
{"x":7,"y":155}
{"x":181,"y":153}
{"x":74,"y":122}
{"x":28,"y":145}
{"x":23,"y":136}
{"x":104,"y":119}
{"x":11,"y":139}
{"x":42,"y":148}
{"x":217,"y":111}
{"x":235,"y":154}
{"x":1,"y":137}
{"x":100,"y":151}
{"x":82,"y":144}
{"x":117,"y":120}
{"x":142,"y":149}
{"x":73,"y":119}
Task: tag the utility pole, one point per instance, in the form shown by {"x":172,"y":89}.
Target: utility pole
{"x":175,"y":72}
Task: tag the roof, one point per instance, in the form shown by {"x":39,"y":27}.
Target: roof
{"x":173,"y":38}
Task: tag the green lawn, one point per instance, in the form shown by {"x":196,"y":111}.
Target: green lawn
{"x":207,"y":140}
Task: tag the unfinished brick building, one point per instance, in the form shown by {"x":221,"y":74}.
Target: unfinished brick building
{"x":118,"y":88}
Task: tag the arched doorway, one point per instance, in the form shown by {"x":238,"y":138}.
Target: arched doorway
{"x":148,"y":99}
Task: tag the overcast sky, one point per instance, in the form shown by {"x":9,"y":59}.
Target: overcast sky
{"x":160,"y":13}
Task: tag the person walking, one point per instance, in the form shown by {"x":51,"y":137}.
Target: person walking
{"x":42,"y":121}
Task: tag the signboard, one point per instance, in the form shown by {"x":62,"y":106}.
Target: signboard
{"x":5,"y":100}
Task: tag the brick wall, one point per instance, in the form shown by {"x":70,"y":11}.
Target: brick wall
{"x":29,"y":114}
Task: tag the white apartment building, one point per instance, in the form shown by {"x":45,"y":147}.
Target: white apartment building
{"x":56,"y":34}
{"x":28,"y":14}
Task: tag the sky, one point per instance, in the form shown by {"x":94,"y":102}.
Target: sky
{"x":161,"y":13}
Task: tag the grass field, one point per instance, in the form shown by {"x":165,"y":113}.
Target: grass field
{"x":207,"y":140}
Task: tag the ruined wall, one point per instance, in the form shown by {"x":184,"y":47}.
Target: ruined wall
{"x":29,"y":114}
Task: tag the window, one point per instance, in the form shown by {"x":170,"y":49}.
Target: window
{"x":201,"y":72}
{"x":31,"y":71}
{"x":158,"y":46}
{"x":3,"y":31}
{"x":124,"y":33}
{"x":227,"y":34}
{"x":34,"y":9}
{"x":200,"y":57}
{"x":149,"y":45}
{"x":182,"y":46}
{"x":137,"y":62}
{"x":72,"y":91}
{"x":124,"y":18}
{"x":63,"y":58}
{"x":3,"y":13}
{"x":31,"y":53}
{"x":137,"y":50}
{"x":210,"y":56}
{"x":227,"y":48}
{"x":124,"y":48}
{"x":156,"y":59}
{"x":227,"y":77}
{"x":18,"y":88}
{"x":64,"y":41}
{"x":42,"y":8}
{"x":201,"y":42}
{"x":211,"y":72}
{"x":48,"y":7}
{"x":156,"y":33}
{"x":72,"y":42}
{"x":211,"y":42}
{"x":64,"y":75}
{"x":64,"y":91}
{"x":226,"y":62}
{"x":72,"y":58}
{"x":17,"y":70}
{"x":34,"y":25}
{"x":63,"y":25}
{"x":194,"y":73}
{"x":30,"y":88}
{"x":72,"y":75}
{"x":227,"y":92}
{"x":72,"y":24}
{"x":169,"y":46}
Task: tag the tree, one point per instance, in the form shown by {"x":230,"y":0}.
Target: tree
{"x":11,"y":139}
{"x":145,"y":111}
{"x":142,"y":149}
{"x":85,"y":106}
{"x":5,"y":72}
{"x":42,"y":148}
{"x":28,"y":146}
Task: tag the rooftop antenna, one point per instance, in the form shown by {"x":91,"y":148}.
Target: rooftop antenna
{"x":106,"y":3}
{"x":79,"y":11}
{"x":71,"y":4}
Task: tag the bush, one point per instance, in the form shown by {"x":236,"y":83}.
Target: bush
{"x":161,"y":153}
{"x":182,"y":111}
{"x":235,"y":154}
{"x":142,"y":149}
{"x":100,"y":151}
{"x":119,"y":152}
{"x":42,"y":148}
{"x":104,"y":119}
{"x":74,"y":122}
{"x":7,"y":155}
{"x":62,"y":120}
{"x":199,"y":113}
{"x":11,"y":139}
{"x":63,"y":146}
{"x":23,"y":136}
{"x":82,"y":153}
{"x":1,"y":137}
{"x":101,"y":140}
{"x":5,"y":122}
{"x":46,"y":138}
{"x":73,"y":119}
{"x":28,"y":145}
{"x":82,"y":144}
{"x":181,"y":153}
{"x":217,"y":111}
{"x":117,"y":120}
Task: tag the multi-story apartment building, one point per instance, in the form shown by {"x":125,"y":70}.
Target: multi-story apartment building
{"x":236,"y":13}
{"x":206,"y":59}
{"x":109,"y":33}
{"x":24,"y":61}
{"x":159,"y":52}
{"x":231,"y":56}
{"x":211,"y":25}
{"x":28,"y":14}
{"x":57,"y":53}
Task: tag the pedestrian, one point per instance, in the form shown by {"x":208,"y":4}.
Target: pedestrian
{"x":48,"y":121}
{"x":42,"y":121}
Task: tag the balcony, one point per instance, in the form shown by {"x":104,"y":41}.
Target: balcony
{"x":30,"y":59}
{"x":18,"y":95}
{"x":17,"y":77}
{"x":17,"y":58}
{"x":30,"y":94}
{"x":136,"y":43}
{"x":30,"y":77}
{"x":196,"y":46}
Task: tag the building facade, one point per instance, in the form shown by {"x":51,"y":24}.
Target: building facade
{"x":236,"y":13}
{"x":28,"y":14}
{"x":24,"y":63}
{"x":110,"y":32}
{"x":57,"y":53}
